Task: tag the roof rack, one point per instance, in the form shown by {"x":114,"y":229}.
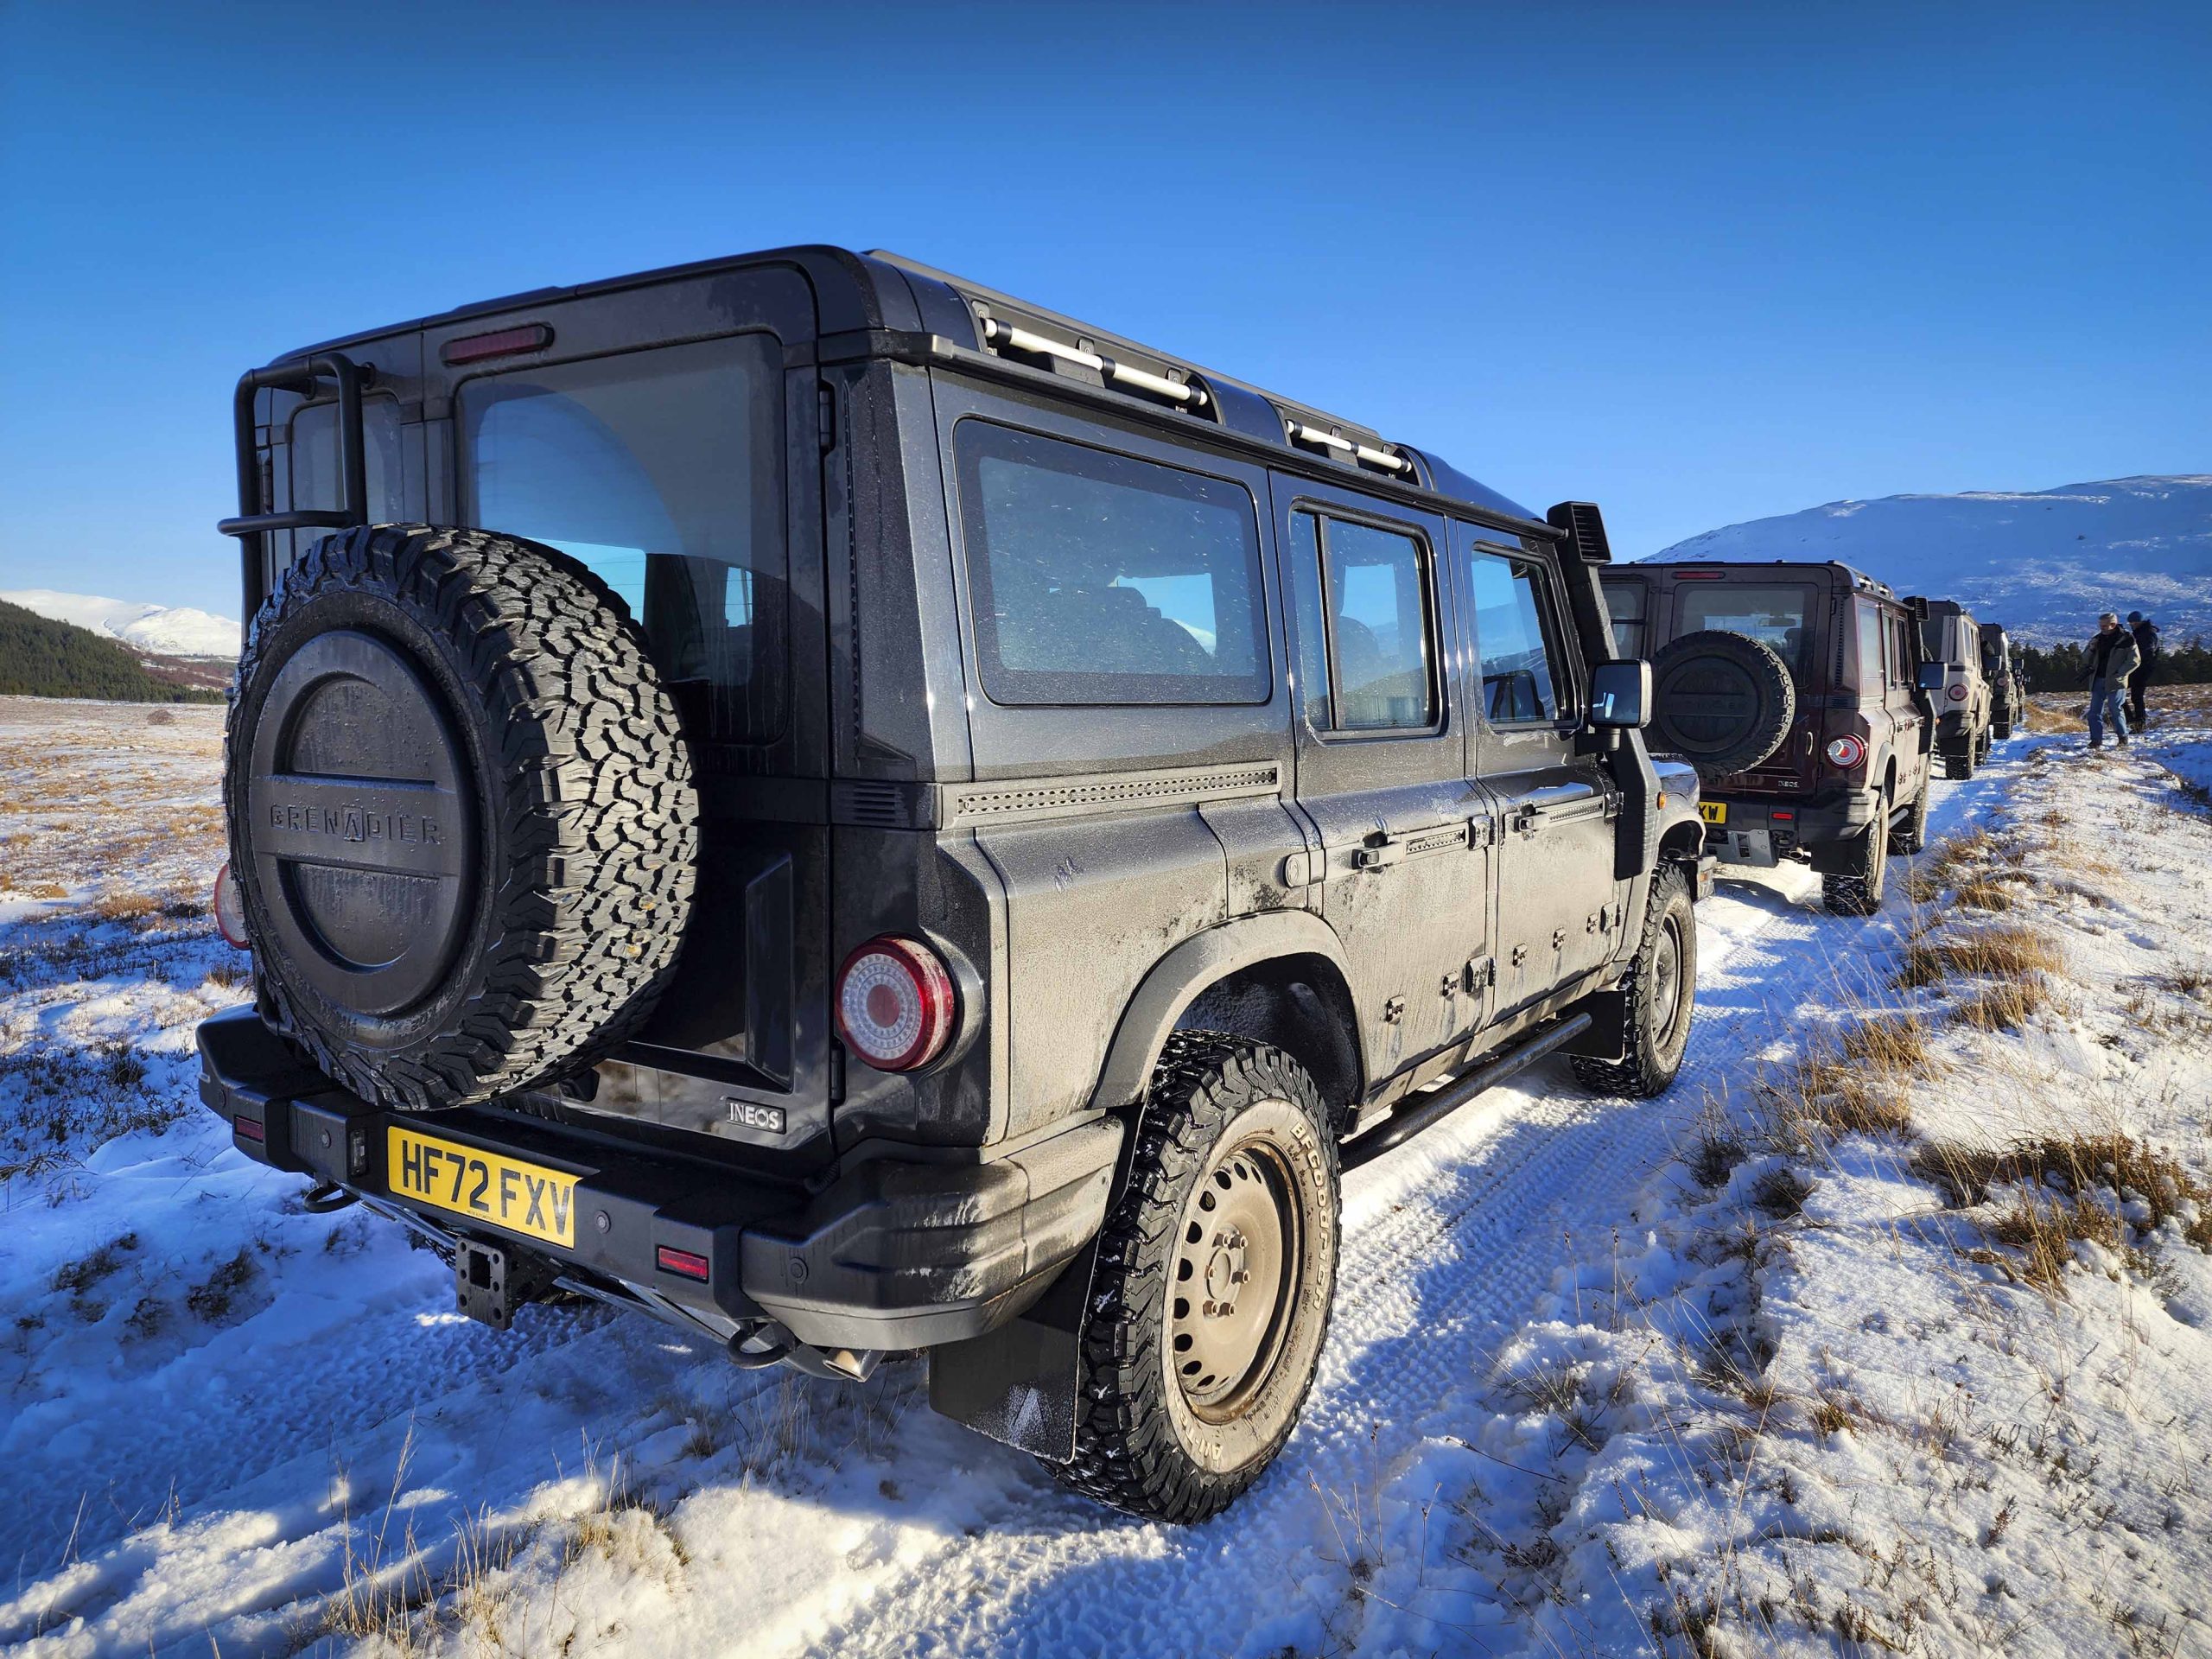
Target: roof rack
{"x":1007,"y":337}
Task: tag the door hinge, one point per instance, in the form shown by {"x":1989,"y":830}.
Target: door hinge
{"x":1520,"y":955}
{"x":1393,"y":1010}
{"x":1480,"y":973}
{"x":1481,"y":832}
{"x":1559,"y":939}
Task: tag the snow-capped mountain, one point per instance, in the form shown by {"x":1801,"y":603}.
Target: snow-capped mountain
{"x":162,"y":630}
{"x":2043,"y":562}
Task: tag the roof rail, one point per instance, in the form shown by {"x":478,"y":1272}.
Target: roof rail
{"x":1366,"y":455}
{"x":1005,"y":337}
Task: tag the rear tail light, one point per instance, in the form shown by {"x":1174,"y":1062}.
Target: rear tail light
{"x":895,"y":1004}
{"x":1957,"y":693}
{"x":1846,"y":752}
{"x":229,"y":909}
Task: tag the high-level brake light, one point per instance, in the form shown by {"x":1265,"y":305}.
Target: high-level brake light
{"x":895,"y":1004}
{"x":504,"y":342}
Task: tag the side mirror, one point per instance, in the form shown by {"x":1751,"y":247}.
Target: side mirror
{"x":1931,"y":677}
{"x":1620,"y":696}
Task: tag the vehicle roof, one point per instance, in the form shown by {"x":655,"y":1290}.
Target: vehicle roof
{"x":880,"y":290}
{"x":1858,"y":579}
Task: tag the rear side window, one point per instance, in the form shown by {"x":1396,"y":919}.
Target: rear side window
{"x":1365,"y":623}
{"x":1099,"y":578}
{"x":662,"y":470}
{"x":1870,"y":644}
{"x":314,"y":450}
{"x":1624,"y":603}
{"x":1510,"y":597}
{"x":1772,"y":614}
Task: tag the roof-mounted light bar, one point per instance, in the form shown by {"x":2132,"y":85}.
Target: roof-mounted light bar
{"x":1009,"y":338}
{"x":1299,"y":432}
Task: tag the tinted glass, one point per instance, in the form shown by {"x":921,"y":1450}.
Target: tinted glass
{"x":1870,"y":645}
{"x":1624,"y":603}
{"x":1302,"y":566}
{"x":1774,"y":615}
{"x":316,"y":482}
{"x":1100,"y":579}
{"x":1509,"y":636}
{"x":1379,"y":620}
{"x":662,"y":471}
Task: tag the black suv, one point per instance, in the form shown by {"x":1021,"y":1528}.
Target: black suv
{"x":1795,"y":691}
{"x":2005,"y":701}
{"x":846,"y":810}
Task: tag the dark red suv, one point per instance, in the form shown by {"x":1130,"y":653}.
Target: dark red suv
{"x":1795,"y":690}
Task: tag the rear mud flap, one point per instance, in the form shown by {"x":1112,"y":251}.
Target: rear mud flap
{"x":1018,"y":1383}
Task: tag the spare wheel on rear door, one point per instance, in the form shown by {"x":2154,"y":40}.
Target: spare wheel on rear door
{"x":1724,"y":701}
{"x":461,"y":813}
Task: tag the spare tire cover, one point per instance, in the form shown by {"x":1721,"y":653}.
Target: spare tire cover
{"x":1724,"y":701}
{"x":461,"y":814}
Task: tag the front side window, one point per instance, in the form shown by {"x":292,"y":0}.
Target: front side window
{"x":1624,"y":603}
{"x":1517,"y":684}
{"x":1774,"y":614}
{"x":1099,"y":578}
{"x":662,"y":471}
{"x":1364,"y":625}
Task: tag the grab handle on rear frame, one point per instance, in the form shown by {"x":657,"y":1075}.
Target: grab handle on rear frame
{"x":252,"y":523}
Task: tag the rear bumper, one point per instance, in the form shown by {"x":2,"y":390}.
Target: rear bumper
{"x":892,"y":1254}
{"x":1791,"y":825}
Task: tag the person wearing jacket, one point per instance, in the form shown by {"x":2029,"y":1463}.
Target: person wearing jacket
{"x":2112,"y":657}
{"x":2146,"y":647}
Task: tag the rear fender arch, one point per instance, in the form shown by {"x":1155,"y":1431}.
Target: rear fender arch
{"x":1187,"y":972}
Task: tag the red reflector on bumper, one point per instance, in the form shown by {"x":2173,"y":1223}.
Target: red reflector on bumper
{"x":687,"y":1264}
{"x":247,"y":1130}
{"x":1786,"y":818}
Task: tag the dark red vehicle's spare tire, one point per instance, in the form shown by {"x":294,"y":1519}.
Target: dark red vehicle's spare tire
{"x":461,"y":814}
{"x":1724,"y":701}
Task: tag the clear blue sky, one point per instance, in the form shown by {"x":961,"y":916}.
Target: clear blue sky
{"x":1698,"y":263}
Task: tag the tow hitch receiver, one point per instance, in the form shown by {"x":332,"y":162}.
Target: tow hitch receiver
{"x":489,"y":1282}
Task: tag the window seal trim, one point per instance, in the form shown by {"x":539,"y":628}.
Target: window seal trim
{"x":1425,"y":553}
{"x":1568,"y":721}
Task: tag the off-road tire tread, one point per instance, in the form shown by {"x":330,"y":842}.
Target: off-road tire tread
{"x":1858,"y":891}
{"x":1126,"y":1453}
{"x":1911,"y":836}
{"x":1641,"y":1073}
{"x":594,"y":792}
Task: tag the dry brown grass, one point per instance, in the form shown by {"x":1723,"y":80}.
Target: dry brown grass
{"x":1859,"y":1084}
{"x":2006,"y":1006}
{"x":2007,"y":951}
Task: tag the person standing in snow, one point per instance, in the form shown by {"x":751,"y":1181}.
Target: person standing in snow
{"x":2146,"y":647}
{"x":2113,"y":658}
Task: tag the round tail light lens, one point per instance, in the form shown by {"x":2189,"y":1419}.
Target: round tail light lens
{"x":1846,"y":753}
{"x":229,"y":909}
{"x":895,"y":1004}
{"x":1957,"y":693}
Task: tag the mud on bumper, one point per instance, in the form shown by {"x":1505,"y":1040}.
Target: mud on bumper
{"x":892,"y":1254}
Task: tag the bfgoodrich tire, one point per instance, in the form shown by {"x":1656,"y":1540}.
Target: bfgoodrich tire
{"x":1724,"y":701}
{"x":1856,"y":890}
{"x":1661,"y":989}
{"x":461,"y":814}
{"x":1216,"y":1273}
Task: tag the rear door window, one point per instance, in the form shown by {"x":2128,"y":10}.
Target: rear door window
{"x":1870,"y":644}
{"x":1365,"y":624}
{"x":1773,"y":615}
{"x":1098,"y":578}
{"x":1512,"y":601}
{"x":314,"y":449}
{"x":662,"y":471}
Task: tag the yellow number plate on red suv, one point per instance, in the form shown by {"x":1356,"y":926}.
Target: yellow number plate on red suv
{"x":1714,"y":812}
{"x":526,"y":1198}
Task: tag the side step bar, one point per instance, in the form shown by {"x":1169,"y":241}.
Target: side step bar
{"x":1422,"y":1111}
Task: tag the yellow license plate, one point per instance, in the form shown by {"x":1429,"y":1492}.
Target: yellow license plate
{"x":526,"y":1198}
{"x":1714,"y":812}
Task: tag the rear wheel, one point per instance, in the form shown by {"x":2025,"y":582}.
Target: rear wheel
{"x":1910,"y":835}
{"x":1216,"y":1273}
{"x":1856,"y":889}
{"x":1958,"y":767}
{"x":1662,"y":986}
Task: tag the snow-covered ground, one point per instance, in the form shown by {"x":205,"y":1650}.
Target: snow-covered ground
{"x":1776,"y":1364}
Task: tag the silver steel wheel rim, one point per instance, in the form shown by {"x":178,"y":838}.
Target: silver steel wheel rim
{"x":1234,"y":1289}
{"x":1666,"y":981}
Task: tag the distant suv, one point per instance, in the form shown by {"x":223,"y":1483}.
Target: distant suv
{"x":1965,"y":701}
{"x":851,"y":812}
{"x":2003,"y":675}
{"x":1794,"y":690}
